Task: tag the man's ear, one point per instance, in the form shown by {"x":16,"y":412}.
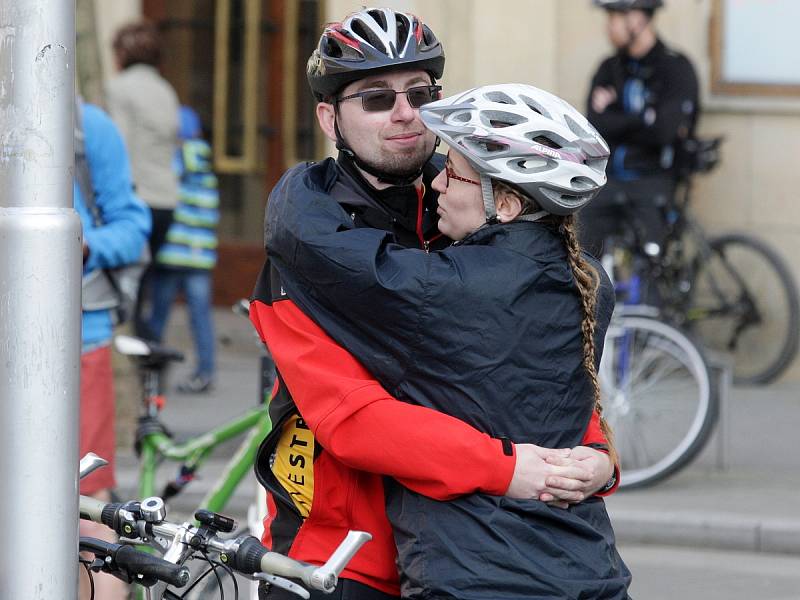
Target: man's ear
{"x":508,"y":206}
{"x":326,"y":116}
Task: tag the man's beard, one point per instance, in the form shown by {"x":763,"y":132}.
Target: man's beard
{"x":401,"y":164}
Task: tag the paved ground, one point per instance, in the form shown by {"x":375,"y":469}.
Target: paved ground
{"x":669,"y":573}
{"x":742,"y":493}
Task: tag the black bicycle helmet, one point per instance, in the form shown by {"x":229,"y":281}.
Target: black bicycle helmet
{"x":371,"y":41}
{"x":626,"y":5}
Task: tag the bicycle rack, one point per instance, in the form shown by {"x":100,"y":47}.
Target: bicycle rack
{"x":721,"y":365}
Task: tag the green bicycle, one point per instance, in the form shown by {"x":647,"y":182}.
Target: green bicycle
{"x":155,"y":444}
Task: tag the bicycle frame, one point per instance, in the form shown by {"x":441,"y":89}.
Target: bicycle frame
{"x":157,"y":445}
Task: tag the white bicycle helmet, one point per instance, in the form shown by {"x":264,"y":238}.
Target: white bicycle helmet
{"x":526,"y":137}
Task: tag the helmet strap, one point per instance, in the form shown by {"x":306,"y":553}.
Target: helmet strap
{"x":488,"y":198}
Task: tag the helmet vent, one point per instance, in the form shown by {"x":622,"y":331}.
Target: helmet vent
{"x":379,"y":17}
{"x":499,"y":119}
{"x":582,"y":183}
{"x":403,"y":27}
{"x":531,"y":164}
{"x":499,"y":97}
{"x":483,"y":146}
{"x":367,"y":34}
{"x":598,"y":164}
{"x":332,"y":48}
{"x":535,"y":106}
{"x":428,"y":37}
{"x":546,"y":141}
{"x":575,"y":128}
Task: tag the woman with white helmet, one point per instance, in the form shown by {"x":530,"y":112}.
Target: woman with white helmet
{"x":504,"y":330}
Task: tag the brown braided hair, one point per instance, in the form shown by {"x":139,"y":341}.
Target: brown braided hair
{"x":587,"y":281}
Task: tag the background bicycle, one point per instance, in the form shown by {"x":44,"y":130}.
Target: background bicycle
{"x":210,"y":456}
{"x":659,"y":395}
{"x":732,"y":291}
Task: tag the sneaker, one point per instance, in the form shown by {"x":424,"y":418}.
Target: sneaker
{"x":196,"y":384}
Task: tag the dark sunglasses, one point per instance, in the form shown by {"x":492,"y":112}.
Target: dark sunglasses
{"x":384,"y":99}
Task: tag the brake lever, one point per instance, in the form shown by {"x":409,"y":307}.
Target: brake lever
{"x":90,"y":463}
{"x":283,"y":583}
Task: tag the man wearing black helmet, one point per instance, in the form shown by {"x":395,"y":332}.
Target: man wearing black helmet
{"x":336,"y":431}
{"x":644,"y":101}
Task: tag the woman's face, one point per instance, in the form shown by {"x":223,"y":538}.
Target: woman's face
{"x":460,"y":202}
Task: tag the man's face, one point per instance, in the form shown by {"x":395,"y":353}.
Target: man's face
{"x":622,"y":25}
{"x":617,"y":28}
{"x":394,"y":141}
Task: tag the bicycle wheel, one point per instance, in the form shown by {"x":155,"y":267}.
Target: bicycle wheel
{"x":744,"y":302}
{"x":658,"y":397}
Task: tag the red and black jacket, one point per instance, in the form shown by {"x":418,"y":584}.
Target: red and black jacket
{"x":361,"y":432}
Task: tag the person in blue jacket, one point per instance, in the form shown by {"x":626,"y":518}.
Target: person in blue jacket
{"x":189,"y":252}
{"x":118,"y":240}
{"x":503,"y":330}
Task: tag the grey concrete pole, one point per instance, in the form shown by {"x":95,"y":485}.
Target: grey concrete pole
{"x":40,"y":273}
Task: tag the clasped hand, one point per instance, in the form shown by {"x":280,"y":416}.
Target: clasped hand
{"x":559,"y":476}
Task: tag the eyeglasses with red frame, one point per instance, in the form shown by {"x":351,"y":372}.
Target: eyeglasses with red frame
{"x":451,"y":174}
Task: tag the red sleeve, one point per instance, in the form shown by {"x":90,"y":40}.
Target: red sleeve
{"x":595,"y":435}
{"x":359,"y":423}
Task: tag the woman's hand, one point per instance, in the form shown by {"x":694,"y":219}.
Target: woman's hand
{"x":595,"y":462}
{"x":551,"y":475}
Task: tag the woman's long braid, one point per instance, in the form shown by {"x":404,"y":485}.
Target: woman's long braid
{"x":587,"y":280}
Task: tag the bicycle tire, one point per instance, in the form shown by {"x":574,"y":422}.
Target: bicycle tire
{"x":745,"y":283}
{"x":657,"y":429}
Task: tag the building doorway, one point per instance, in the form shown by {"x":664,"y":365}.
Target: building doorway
{"x":241,"y":65}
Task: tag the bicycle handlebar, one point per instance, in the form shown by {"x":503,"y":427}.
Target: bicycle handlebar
{"x":244,"y":553}
{"x":136,"y":564}
{"x":252,"y":557}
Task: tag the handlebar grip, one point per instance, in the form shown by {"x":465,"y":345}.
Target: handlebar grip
{"x":136,"y":561}
{"x":99,"y":512}
{"x":108,"y":516}
{"x":248,"y":556}
{"x":91,"y":509}
{"x":133,"y":562}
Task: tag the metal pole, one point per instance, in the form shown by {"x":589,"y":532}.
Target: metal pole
{"x":40,"y":273}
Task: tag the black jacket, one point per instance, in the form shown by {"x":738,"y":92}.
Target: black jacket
{"x":488,"y":331}
{"x":656,"y":107}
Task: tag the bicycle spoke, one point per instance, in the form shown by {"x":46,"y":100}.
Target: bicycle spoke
{"x":659,"y":399}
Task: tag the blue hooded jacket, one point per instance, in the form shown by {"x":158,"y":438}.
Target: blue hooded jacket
{"x":126,"y":224}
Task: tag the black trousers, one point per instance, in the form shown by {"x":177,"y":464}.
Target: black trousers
{"x":346,"y":590}
{"x":162,"y":219}
{"x":621,"y":205}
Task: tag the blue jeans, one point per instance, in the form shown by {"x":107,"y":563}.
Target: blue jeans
{"x":196,"y":287}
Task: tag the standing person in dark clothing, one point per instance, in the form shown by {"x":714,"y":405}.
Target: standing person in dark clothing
{"x":336,"y":430}
{"x":644,"y":101}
